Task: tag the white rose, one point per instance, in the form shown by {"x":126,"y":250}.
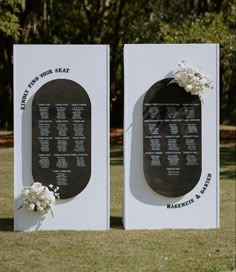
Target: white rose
{"x":37,"y":187}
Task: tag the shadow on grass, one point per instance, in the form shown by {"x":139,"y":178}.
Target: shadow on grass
{"x":116,"y":222}
{"x":116,"y":162}
{"x":228,"y":174}
{"x":227,"y":159}
{"x":6,"y":224}
{"x":116,"y":155}
{"x":227,"y":156}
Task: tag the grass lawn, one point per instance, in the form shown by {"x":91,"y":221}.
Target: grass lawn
{"x":119,"y":250}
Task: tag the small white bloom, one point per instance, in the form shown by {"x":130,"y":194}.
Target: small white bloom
{"x":189,"y":88}
{"x":44,"y":205}
{"x":38,"y":203}
{"x":31,"y":206}
{"x":33,"y":197}
{"x":26,"y":191}
{"x":41,"y":209}
{"x":57,"y":195}
{"x":42,"y":197}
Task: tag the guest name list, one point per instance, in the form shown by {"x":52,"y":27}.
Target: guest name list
{"x":61,"y":143}
{"x":69,"y":136}
{"x":172,"y":141}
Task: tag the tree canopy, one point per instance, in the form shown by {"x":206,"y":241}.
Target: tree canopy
{"x":117,"y":22}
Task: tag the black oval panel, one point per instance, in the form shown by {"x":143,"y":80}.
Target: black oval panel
{"x":61,"y":136}
{"x":171,"y":139}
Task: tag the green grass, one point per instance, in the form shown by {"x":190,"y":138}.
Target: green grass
{"x":119,"y":250}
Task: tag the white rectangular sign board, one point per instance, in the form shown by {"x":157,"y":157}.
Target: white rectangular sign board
{"x":61,"y":122}
{"x":171,"y":136}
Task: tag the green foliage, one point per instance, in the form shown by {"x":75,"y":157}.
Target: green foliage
{"x":117,"y":22}
{"x":9,"y":25}
{"x":211,"y":28}
{"x":9,"y":18}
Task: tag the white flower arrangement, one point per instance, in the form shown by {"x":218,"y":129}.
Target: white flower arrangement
{"x":191,"y":79}
{"x":39,"y":198}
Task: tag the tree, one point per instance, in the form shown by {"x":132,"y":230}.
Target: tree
{"x":9,"y":33}
{"x":212,"y":28}
{"x":116,"y":22}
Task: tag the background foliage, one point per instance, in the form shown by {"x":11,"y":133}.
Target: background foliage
{"x":116,"y":22}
